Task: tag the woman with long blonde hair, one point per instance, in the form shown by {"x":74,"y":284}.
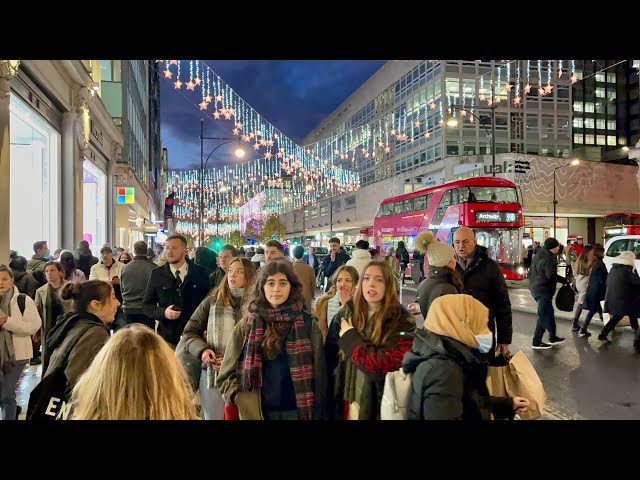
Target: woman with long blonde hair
{"x":367,"y":339}
{"x":217,"y":315}
{"x":136,"y":376}
{"x":343,"y":285}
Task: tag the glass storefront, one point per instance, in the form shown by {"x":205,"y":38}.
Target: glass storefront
{"x":94,"y":211}
{"x":541,"y":228}
{"x":34,"y":179}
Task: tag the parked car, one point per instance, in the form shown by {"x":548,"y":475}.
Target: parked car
{"x":616,"y":245}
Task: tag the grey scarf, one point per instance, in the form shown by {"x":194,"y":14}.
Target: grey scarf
{"x":6,"y":340}
{"x":220,"y":325}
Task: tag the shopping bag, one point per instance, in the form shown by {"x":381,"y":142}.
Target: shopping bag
{"x":565,"y":298}
{"x":395,"y":396}
{"x":521,"y":380}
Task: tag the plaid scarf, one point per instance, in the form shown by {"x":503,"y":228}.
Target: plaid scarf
{"x":299,"y":354}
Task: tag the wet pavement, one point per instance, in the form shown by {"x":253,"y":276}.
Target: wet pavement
{"x":583,"y":379}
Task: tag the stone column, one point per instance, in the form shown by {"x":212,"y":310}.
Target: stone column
{"x":8,"y":70}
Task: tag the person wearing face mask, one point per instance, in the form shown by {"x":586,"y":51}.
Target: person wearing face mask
{"x":367,"y":340}
{"x":217,"y":315}
{"x":449,"y":377}
{"x":79,"y":335}
{"x":274,"y":366}
{"x":36,"y":265}
{"x":343,"y":285}
{"x":442,"y":276}
{"x":124,"y":258}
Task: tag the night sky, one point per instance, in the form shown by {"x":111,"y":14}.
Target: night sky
{"x":294,"y":95}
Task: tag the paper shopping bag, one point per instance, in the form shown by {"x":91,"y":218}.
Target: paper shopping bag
{"x":521,"y":380}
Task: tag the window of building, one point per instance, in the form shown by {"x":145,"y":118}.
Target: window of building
{"x":611,"y":124}
{"x":600,"y":92}
{"x":578,"y":107}
{"x":578,"y":122}
{"x":589,"y":123}
{"x":600,"y":77}
{"x":611,"y":94}
{"x":452,"y":149}
{"x":611,"y":140}
{"x":601,"y":140}
{"x":577,"y":138}
{"x":601,"y":124}
{"x":589,"y":107}
{"x":589,"y":139}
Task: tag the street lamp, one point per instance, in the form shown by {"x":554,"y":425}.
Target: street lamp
{"x":239,"y":153}
{"x":453,"y":122}
{"x":555,"y":202}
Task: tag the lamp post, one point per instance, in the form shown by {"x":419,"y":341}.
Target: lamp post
{"x":203,"y":164}
{"x":555,"y":202}
{"x":452,"y":122}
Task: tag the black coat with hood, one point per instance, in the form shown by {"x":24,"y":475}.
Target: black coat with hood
{"x":597,"y":287}
{"x":449,"y":381}
{"x":84,"y":260}
{"x":543,"y":275}
{"x":25,"y":283}
{"x":483,"y":280}
{"x":439,"y":282}
{"x":623,"y":291}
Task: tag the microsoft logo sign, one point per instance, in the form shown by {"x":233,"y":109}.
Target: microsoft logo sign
{"x":125,"y":195}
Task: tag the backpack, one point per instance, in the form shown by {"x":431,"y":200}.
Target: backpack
{"x":395,"y":396}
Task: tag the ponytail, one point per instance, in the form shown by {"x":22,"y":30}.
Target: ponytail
{"x":84,"y":293}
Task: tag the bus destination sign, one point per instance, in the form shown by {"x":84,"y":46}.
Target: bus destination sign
{"x":497,"y":217}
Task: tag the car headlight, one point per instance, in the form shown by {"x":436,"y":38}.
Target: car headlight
{"x":520,"y":270}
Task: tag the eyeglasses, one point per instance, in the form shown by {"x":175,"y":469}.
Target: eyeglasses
{"x":464,"y":243}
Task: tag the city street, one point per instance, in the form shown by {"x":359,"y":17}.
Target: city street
{"x":583,"y":379}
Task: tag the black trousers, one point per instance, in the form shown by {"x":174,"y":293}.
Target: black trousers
{"x":615,"y":319}
{"x":546,"y":319}
{"x":140,"y":318}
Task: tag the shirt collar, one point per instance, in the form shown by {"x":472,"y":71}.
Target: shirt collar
{"x":183,"y":270}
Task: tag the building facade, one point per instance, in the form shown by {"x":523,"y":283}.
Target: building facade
{"x":538,"y":128}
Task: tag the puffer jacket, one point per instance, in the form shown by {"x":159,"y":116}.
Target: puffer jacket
{"x":438,"y":282}
{"x":22,"y":326}
{"x":449,"y":382}
{"x":623,"y":291}
{"x":543,"y":275}
{"x":26,"y":283}
{"x":359,"y":260}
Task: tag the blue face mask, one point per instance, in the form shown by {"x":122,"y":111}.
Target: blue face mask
{"x":484,"y":342}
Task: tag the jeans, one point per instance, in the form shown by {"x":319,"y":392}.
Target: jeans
{"x":9,"y":377}
{"x":211,"y":400}
{"x":590,"y":315}
{"x":615,"y":319}
{"x":140,"y":318}
{"x":546,"y":319}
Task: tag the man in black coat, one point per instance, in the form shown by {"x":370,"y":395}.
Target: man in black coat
{"x":484,"y":281}
{"x":175,"y":290}
{"x":334,"y":260}
{"x":542,"y":285}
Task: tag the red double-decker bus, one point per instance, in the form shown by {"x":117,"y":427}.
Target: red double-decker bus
{"x":621,"y":223}
{"x":488,"y":205}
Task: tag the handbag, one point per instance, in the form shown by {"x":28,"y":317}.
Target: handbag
{"x":565,"y":298}
{"x":395,"y":396}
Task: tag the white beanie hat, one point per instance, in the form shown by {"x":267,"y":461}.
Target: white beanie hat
{"x":439,"y":254}
{"x":626,"y":258}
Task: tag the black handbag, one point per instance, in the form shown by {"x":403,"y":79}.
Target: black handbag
{"x":565,"y":298}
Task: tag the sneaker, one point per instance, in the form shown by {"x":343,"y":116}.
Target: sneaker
{"x":603,"y":338}
{"x":555,"y":341}
{"x":576,"y":327}
{"x":541,"y":346}
{"x":584,"y":333}
{"x":35,"y":361}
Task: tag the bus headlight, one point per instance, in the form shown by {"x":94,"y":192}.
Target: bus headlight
{"x":520,"y":271}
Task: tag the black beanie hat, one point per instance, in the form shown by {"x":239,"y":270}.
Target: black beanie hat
{"x":551,"y":243}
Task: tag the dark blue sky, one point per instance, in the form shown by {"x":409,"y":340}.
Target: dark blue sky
{"x":294,"y":95}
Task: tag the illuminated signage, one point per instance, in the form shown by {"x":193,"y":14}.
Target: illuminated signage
{"x":125,"y":195}
{"x":616,"y":231}
{"x":498,"y":217}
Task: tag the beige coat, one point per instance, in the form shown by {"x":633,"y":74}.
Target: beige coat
{"x":22,"y":326}
{"x":307,"y":278}
{"x":41,"y":302}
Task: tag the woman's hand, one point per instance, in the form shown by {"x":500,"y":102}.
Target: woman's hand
{"x":345,"y":325}
{"x":520,"y":404}
{"x":414,"y":308}
{"x":208,"y":357}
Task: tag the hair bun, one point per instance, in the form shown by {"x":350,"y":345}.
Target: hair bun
{"x":70,"y":291}
{"x":423,"y":240}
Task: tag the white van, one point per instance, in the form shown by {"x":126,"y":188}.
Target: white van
{"x":616,"y":245}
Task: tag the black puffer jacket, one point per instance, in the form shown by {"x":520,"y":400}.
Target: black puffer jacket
{"x":543,"y":275}
{"x":597,"y":286}
{"x":483,"y":280}
{"x":623,"y":291}
{"x":438,"y":282}
{"x":449,"y":381}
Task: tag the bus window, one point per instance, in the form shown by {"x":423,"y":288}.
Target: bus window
{"x":428,"y":199}
{"x":420,"y":203}
{"x":397,"y":207}
{"x":387,"y":209}
{"x":442,"y":208}
{"x":455,"y":199}
{"x":408,"y":206}
{"x":490,"y":194}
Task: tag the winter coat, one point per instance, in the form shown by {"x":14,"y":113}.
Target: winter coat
{"x":543,"y":275}
{"x":36,"y":268}
{"x":597,"y":287}
{"x":77,"y":337}
{"x":259,"y":259}
{"x":359,"y":260}
{"x":84,"y":261}
{"x":307,"y":278}
{"x":162,"y":291}
{"x":623,"y":291}
{"x":316,"y":262}
{"x":133,"y":282}
{"x":328,"y":267}
{"x":438,"y":282}
{"x":100,"y":272}
{"x":22,"y":326}
{"x":229,"y":379}
{"x":215,"y":277}
{"x":582,"y":283}
{"x":26,"y":283}
{"x":375,"y":361}
{"x":402,"y":254}
{"x":449,"y":381}
{"x":483,"y":280}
